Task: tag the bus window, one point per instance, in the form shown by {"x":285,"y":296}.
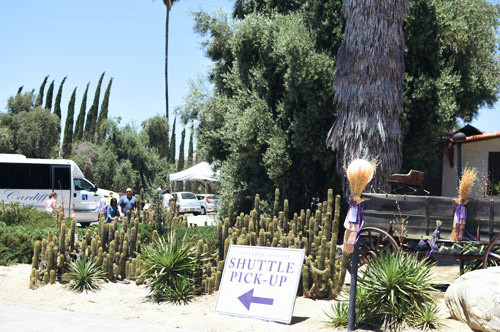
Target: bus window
{"x":82,"y":184}
{"x":40,"y":176}
{"x":4,"y":175}
{"x":62,"y":178}
{"x":19,"y":176}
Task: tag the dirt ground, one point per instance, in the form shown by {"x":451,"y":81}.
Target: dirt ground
{"x":128,"y":301}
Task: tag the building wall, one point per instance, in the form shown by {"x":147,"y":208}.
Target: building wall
{"x":474,"y":154}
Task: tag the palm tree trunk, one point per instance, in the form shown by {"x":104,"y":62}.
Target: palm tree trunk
{"x":166,"y":61}
{"x":368,"y":87}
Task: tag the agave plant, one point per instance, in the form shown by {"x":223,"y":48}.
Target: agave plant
{"x":85,"y":275}
{"x":169,"y":268}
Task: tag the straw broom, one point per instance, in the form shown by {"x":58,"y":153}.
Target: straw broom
{"x":359,"y":173}
{"x":460,"y":217}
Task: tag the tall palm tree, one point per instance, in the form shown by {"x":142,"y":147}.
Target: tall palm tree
{"x":168,"y":4}
{"x":368,"y":86}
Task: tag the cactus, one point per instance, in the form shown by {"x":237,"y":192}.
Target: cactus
{"x":62,"y":238}
{"x":276,"y":206}
{"x":52,"y":276}
{"x":230,"y":214}
{"x":36,"y":254}
{"x":72,"y":235}
{"x":257,"y":207}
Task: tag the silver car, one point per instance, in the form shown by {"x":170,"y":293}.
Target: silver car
{"x":188,"y":203}
{"x":208,"y":202}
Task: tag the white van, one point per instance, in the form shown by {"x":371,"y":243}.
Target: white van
{"x":30,"y":181}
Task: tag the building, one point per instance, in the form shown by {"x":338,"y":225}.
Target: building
{"x":479,"y":150}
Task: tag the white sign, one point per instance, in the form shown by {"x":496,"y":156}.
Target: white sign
{"x":260,"y":282}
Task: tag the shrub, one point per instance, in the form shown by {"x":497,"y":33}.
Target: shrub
{"x":169,"y":269}
{"x":85,"y":275}
{"x":15,"y":214}
{"x":394,"y":291}
{"x":16,"y":242}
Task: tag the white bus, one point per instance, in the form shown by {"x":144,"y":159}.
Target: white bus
{"x":29,"y":181}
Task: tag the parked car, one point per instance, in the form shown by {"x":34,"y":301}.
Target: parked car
{"x":188,"y":203}
{"x":208,"y":202}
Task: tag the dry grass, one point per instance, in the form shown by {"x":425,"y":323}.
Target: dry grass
{"x":359,"y":173}
{"x":469,"y":176}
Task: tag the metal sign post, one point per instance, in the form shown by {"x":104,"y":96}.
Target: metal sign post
{"x":351,"y":320}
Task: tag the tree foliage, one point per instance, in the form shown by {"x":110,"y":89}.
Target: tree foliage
{"x":451,"y":71}
{"x":39,"y":98}
{"x":91,"y":121}
{"x":50,"y":95}
{"x":265,"y":123}
{"x":68,"y":127}
{"x":78,"y":132}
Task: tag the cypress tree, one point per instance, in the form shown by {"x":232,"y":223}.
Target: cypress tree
{"x":81,"y":116}
{"x":91,"y":121}
{"x":50,"y":93}
{"x":39,"y":98}
{"x":57,"y":105}
{"x":171,"y":154}
{"x":68,"y":127}
{"x":190,"y":148}
{"x":103,"y":115}
{"x":180,"y":163}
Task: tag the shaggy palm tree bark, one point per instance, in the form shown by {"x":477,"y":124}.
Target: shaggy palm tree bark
{"x":368,"y":87}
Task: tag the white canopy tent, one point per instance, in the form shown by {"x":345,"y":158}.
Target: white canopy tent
{"x":199,"y":172}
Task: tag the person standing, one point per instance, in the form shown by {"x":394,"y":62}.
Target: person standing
{"x":103,"y":205}
{"x":167,"y":199}
{"x":112,"y":211}
{"x":127,"y":203}
{"x":51,"y":204}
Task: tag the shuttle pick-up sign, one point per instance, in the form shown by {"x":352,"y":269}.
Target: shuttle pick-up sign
{"x":260,"y":282}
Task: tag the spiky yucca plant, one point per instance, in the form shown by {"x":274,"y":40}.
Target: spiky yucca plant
{"x":394,"y":291}
{"x":169,"y":268}
{"x":398,"y":286}
{"x":427,"y":318}
{"x":85,"y":275}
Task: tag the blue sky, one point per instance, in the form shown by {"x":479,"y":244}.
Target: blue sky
{"x":124,"y":38}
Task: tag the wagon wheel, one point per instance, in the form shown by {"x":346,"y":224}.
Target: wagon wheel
{"x":492,"y":252}
{"x":372,"y":242}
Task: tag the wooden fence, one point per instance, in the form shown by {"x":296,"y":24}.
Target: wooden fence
{"x":423,"y":211}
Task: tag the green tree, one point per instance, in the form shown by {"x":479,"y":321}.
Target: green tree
{"x":157,"y":130}
{"x":50,"y":94}
{"x":180,"y":162}
{"x":189,"y":162}
{"x":270,"y":109}
{"x":368,"y":85}
{"x":78,"y":132}
{"x":57,"y":105}
{"x":168,"y":5}
{"x":22,"y":102}
{"x":91,"y":121}
{"x":103,"y":114}
{"x":171,"y":153}
{"x":6,"y":140}
{"x":39,"y":98}
{"x":36,"y":133}
{"x":68,"y":127}
{"x":451,"y":70}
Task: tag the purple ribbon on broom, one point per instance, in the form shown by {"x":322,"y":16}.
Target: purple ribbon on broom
{"x":360,"y":218}
{"x":461,"y":213}
{"x":431,"y":242}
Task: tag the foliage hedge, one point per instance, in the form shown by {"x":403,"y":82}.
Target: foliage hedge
{"x":21,"y":226}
